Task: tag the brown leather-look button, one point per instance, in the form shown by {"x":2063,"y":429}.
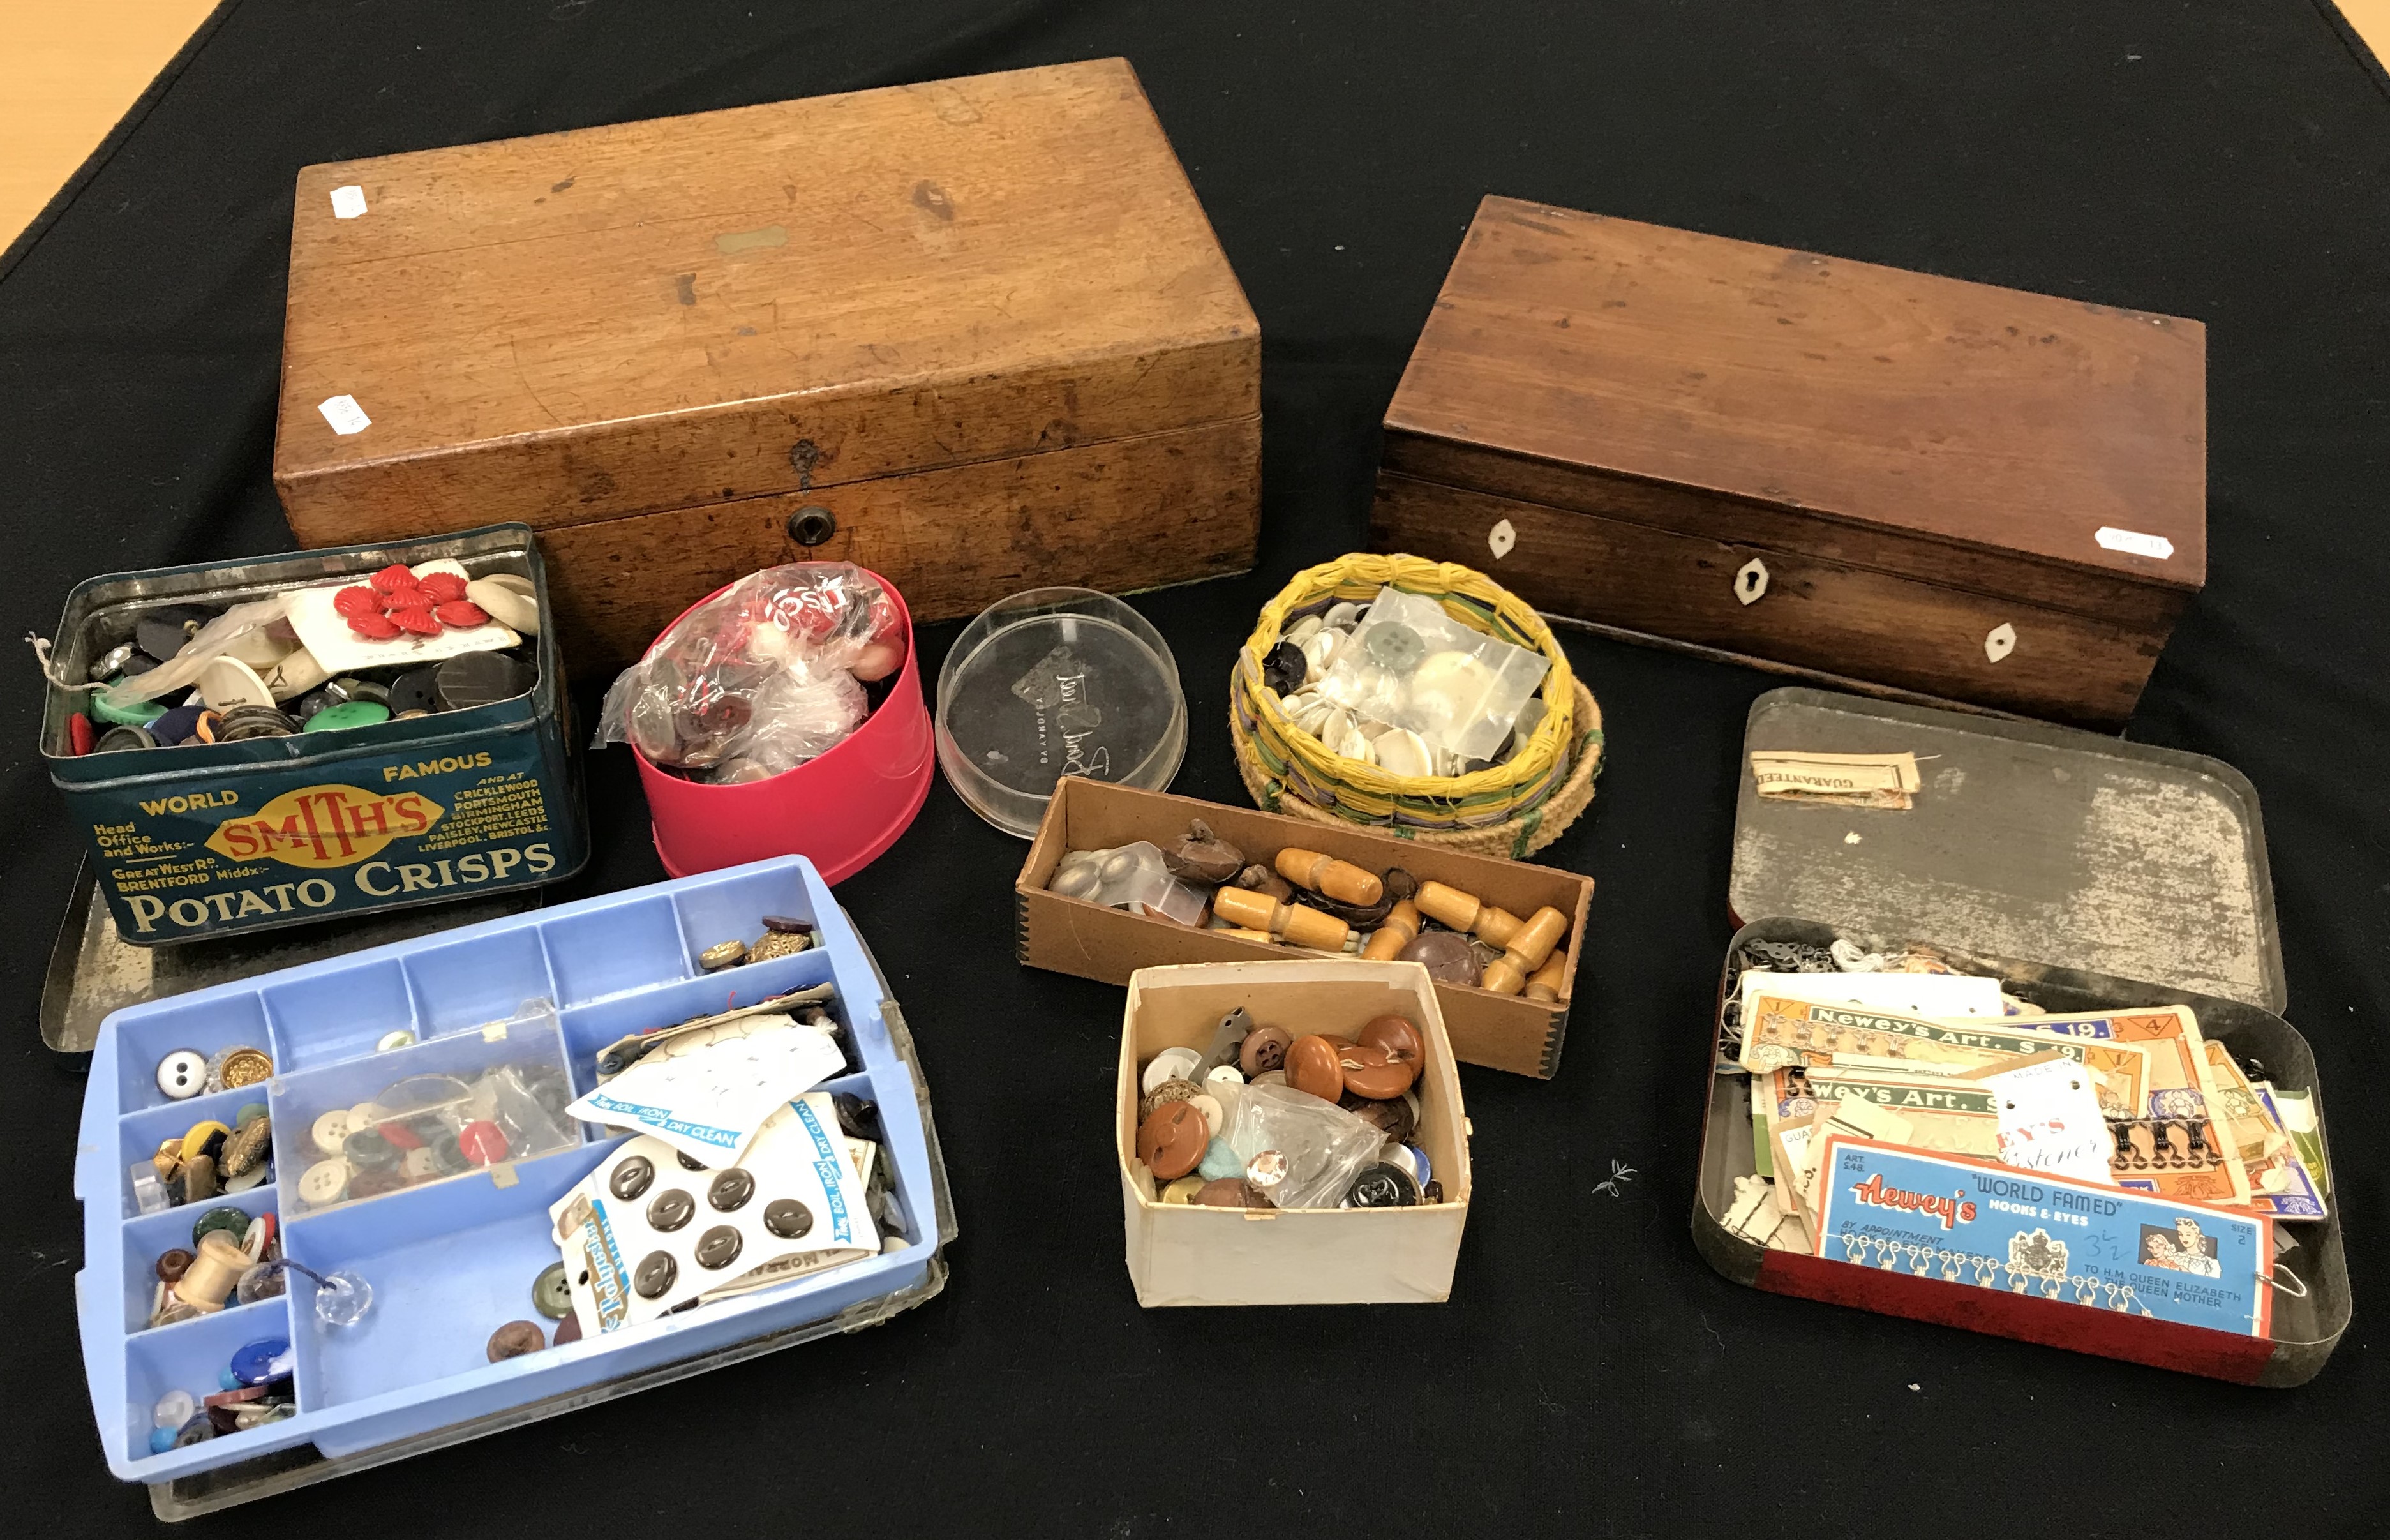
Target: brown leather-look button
{"x":1448,"y":957}
{"x":1315,"y":1064}
{"x":1264,"y":1049}
{"x":172,"y":1265}
{"x":1170,"y":1142}
{"x":1398,"y":1037}
{"x":1392,"y":1117}
{"x":1371,"y":1073}
{"x":515,"y":1338}
{"x":1432,"y":1193}
{"x":1229,"y":1192}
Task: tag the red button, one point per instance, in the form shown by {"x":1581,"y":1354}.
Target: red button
{"x":463,"y":614}
{"x":421,"y":621}
{"x":357,"y":599}
{"x":442,"y":587}
{"x":379,"y":627}
{"x":392,"y":576}
{"x":79,"y":733}
{"x":400,"y":1135}
{"x":482,"y":1143}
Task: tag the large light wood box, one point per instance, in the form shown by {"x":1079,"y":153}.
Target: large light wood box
{"x":975,"y":335}
{"x":1181,"y":1254}
{"x":1898,"y":481}
{"x":1072,"y":935}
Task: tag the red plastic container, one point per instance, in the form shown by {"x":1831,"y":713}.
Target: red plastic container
{"x":840,"y":811}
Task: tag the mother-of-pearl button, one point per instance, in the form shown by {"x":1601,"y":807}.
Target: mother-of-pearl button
{"x":1171,"y":1064}
{"x":1214,"y":1115}
{"x":506,"y":599}
{"x":228,"y":682}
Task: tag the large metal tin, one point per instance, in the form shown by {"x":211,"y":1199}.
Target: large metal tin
{"x":148,"y":814}
{"x":2037,"y":840}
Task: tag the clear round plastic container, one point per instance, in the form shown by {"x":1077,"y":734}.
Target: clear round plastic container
{"x":1056,"y":682}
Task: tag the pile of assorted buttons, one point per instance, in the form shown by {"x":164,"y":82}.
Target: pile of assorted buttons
{"x":429,"y":1127}
{"x":233,"y":1256}
{"x":764,"y":676}
{"x":253,"y":1389}
{"x":264,"y":682}
{"x":1401,"y":685}
{"x":210,"y":1158}
{"x":783,"y":937}
{"x":1271,"y":1119}
{"x":1314,"y":902}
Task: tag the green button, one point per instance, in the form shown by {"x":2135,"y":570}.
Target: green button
{"x":550,"y":1294}
{"x":349,"y":713}
{"x":233,"y":1222}
{"x":138,"y":714}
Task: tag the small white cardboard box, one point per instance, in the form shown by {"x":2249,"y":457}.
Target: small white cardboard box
{"x":1181,"y":1254}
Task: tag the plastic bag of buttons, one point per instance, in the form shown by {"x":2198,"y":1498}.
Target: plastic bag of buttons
{"x":762,"y":677}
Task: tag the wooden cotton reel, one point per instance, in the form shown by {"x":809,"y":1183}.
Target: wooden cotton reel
{"x":1527,"y":944}
{"x":211,"y":1274}
{"x":1341,"y":881}
{"x":1295,"y":924}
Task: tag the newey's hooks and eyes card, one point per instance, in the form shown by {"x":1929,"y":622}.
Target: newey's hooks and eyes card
{"x":1993,"y":1227}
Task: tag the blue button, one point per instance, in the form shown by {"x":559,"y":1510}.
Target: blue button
{"x":263,"y":1361}
{"x":161,"y":1440}
{"x":226,"y":1381}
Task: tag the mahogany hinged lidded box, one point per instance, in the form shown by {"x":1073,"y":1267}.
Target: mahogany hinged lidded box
{"x":1889,"y":480}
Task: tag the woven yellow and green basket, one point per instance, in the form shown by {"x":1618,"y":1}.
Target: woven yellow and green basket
{"x":1513,"y":809}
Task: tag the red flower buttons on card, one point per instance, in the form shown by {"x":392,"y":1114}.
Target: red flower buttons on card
{"x":394,"y":600}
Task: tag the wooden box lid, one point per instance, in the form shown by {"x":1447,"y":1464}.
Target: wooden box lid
{"x":655,"y":314}
{"x":1566,"y":347}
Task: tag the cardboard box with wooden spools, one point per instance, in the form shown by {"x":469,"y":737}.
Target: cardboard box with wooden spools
{"x":975,"y":335}
{"x":1179,"y":1253}
{"x":1896,"y":481}
{"x":1518,"y":1033}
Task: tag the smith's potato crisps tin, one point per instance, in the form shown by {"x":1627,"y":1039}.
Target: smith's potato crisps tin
{"x":223,"y":837}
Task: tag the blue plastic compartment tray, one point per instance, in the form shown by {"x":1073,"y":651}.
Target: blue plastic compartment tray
{"x":451,"y":1262}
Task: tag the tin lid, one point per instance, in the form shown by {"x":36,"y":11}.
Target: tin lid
{"x":2034,"y":843}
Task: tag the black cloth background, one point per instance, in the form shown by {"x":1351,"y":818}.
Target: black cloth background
{"x":1590,"y":1373}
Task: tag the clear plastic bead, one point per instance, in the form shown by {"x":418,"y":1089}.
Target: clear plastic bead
{"x":342,"y":1299}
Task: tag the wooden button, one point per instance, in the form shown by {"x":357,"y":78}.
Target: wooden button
{"x":1314,"y":1064}
{"x":1370,"y":1072}
{"x":1172,"y":1141}
{"x":1264,"y":1049}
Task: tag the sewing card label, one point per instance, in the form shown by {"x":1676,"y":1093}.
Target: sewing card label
{"x":1978,"y":1223}
{"x":2170,"y":1143}
{"x":651,"y":1231}
{"x":708,"y":1092}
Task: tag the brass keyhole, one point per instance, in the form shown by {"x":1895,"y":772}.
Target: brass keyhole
{"x":811,"y":525}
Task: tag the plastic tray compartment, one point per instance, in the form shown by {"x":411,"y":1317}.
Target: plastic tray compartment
{"x":450,"y":1261}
